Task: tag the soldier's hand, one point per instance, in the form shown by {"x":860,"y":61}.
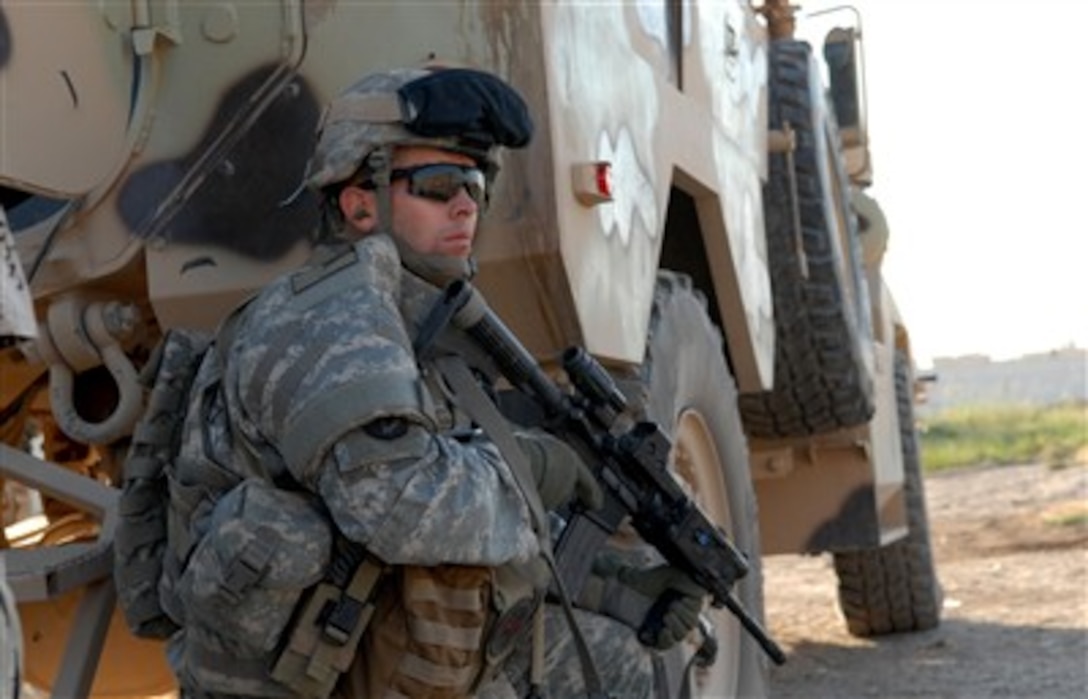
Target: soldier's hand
{"x":678,"y":603}
{"x":559,"y":473}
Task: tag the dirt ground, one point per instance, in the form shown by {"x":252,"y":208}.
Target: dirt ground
{"x":1011,"y":546}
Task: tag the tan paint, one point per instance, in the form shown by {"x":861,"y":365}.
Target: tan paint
{"x":625,"y":109}
{"x":133,"y":668}
{"x":186,"y":281}
{"x":560,"y":271}
{"x":605,"y":82}
{"x":803,"y":491}
{"x":833,"y":492}
{"x":613,"y":101}
{"x":65,"y":97}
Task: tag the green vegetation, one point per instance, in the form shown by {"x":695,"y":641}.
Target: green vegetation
{"x":1054,"y":435}
{"x":1070,"y":519}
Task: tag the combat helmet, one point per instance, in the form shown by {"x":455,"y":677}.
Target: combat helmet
{"x":457,"y":109}
{"x":462,"y":110}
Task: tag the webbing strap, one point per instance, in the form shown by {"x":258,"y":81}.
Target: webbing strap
{"x":150,"y":531}
{"x":246,"y":569}
{"x":155,"y":434}
{"x":142,"y":467}
{"x":437,"y":320}
{"x":255,"y":670}
{"x":333,"y":653}
{"x":476,"y":403}
{"x":471,"y":397}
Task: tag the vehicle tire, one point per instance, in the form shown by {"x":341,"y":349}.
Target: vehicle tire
{"x":691,"y":394}
{"x":894,"y":588}
{"x":822,"y":318}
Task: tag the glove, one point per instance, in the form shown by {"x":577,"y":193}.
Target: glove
{"x":559,"y":473}
{"x":678,"y":601}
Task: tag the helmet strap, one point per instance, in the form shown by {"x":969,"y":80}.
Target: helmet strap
{"x":380,"y":163}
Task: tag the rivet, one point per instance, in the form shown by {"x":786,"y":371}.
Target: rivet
{"x":220,"y":23}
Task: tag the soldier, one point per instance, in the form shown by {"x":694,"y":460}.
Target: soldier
{"x":329,"y":394}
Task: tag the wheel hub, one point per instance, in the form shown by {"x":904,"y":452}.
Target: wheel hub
{"x":697,"y":467}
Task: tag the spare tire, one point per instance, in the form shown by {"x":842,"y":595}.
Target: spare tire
{"x":821,"y":298}
{"x":894,"y":588}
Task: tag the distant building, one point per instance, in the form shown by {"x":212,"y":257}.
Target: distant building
{"x":1046,"y":378}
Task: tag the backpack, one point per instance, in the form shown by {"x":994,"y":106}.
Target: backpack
{"x":267,"y":598}
{"x":140,"y":541}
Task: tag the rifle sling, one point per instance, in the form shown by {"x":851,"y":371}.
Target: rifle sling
{"x":479,"y":407}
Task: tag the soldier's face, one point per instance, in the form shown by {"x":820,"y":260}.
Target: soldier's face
{"x":421,"y":218}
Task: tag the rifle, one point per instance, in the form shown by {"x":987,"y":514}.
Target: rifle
{"x":630,"y":462}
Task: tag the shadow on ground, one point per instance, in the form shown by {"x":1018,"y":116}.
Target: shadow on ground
{"x":958,"y":660}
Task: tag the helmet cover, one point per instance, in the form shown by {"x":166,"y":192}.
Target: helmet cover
{"x":460,"y":110}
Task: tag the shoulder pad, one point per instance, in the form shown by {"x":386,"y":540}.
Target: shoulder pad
{"x":372,"y":261}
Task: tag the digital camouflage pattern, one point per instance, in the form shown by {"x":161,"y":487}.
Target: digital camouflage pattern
{"x":315,"y":362}
{"x":16,"y":305}
{"x":283,"y":535}
{"x":344,"y":142}
{"x":264,"y":547}
{"x":140,"y":544}
{"x":325,"y":352}
{"x":624,"y":665}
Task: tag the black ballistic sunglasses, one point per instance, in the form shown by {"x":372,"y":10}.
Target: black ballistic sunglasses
{"x":442,"y":181}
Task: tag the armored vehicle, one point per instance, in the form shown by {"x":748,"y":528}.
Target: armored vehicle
{"x":691,"y":211}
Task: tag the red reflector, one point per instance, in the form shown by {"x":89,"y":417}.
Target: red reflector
{"x":592,"y":182}
{"x":604,"y":179}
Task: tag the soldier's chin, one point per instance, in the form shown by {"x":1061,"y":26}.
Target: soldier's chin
{"x":461,"y":251}
{"x":459,"y":246}
{"x":438,"y":268}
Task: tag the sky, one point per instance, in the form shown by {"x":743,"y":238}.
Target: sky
{"x":977,"y":121}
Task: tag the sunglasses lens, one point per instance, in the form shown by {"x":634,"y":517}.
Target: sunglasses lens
{"x":442,"y":182}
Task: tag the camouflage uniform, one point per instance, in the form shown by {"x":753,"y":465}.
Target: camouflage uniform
{"x":401,"y":488}
{"x":17,"y":320}
{"x":323,"y":395}
{"x":322,"y":388}
{"x":417,"y":497}
{"x":625,"y":666}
